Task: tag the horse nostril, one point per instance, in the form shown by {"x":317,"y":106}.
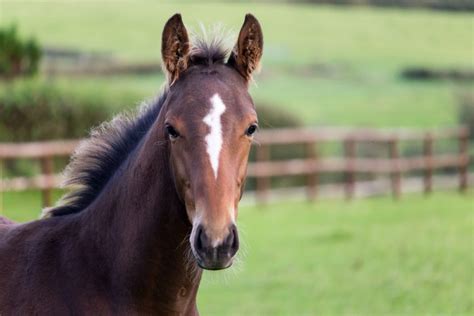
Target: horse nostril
{"x":230,"y":240}
{"x":234,"y":239}
{"x":199,"y":241}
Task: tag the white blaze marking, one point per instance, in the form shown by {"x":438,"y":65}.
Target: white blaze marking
{"x":214,"y":138}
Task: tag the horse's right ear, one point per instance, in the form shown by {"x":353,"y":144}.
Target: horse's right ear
{"x":174,"y":48}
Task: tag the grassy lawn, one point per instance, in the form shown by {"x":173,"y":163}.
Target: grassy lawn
{"x":366,"y":47}
{"x":367,"y":257}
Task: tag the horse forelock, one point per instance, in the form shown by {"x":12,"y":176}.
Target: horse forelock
{"x":210,"y":46}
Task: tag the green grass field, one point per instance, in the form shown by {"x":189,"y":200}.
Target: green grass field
{"x":364,"y":48}
{"x":366,"y":257}
{"x":295,"y":34}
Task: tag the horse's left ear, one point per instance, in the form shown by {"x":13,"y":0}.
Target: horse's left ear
{"x":174,"y":48}
{"x":246,"y":55}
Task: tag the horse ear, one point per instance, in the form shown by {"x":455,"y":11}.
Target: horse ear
{"x":246,"y":55}
{"x":174,"y":48}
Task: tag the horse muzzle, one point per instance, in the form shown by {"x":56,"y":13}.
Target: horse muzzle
{"x":215,"y":256}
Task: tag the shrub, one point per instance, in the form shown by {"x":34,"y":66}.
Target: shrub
{"x":275,"y":117}
{"x":36,"y":110}
{"x":33,"y":110}
{"x":17,"y":56}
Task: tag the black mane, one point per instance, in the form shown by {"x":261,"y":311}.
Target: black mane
{"x":97,"y":158}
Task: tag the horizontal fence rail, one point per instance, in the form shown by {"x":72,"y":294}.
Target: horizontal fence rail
{"x":311,"y":166}
{"x":265,"y":168}
{"x":44,"y":152}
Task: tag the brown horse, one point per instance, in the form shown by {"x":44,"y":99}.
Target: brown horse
{"x":155,"y":196}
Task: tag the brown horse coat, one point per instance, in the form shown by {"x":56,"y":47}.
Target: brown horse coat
{"x":149,"y":209}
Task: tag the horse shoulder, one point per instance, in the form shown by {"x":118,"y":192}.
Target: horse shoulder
{"x":30,"y":258}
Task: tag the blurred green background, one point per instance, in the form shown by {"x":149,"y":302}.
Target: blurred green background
{"x":331,"y":65}
{"x":323,"y":65}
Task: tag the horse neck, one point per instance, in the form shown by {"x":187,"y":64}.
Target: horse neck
{"x":141,"y":224}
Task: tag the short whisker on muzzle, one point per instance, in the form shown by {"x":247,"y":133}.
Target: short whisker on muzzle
{"x":189,"y":260}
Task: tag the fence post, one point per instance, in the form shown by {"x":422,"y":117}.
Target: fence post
{"x":1,"y":187}
{"x":396,"y":175}
{"x":47,"y":171}
{"x":350,"y":153}
{"x":263,"y":182}
{"x":312,"y":177}
{"x":428,"y":155}
{"x":464,"y":159}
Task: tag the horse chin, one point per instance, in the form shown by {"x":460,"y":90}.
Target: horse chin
{"x":214,"y":266}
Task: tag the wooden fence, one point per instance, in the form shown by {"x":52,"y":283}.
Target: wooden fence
{"x":44,"y":153}
{"x":311,"y":166}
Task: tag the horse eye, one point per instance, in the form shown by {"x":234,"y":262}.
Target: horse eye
{"x":172,"y":133}
{"x":251,"y":130}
